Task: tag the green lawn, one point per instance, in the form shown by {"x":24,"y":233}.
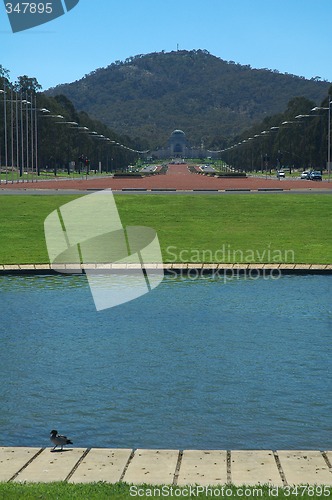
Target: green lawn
{"x":122,"y":491}
{"x":192,"y":228}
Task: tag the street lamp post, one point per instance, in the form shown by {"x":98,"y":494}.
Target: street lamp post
{"x":329,"y":142}
{"x":4,"y":92}
{"x":328,"y":109}
{"x":1,"y":92}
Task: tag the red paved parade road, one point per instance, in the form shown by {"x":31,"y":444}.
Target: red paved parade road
{"x":178,"y":177}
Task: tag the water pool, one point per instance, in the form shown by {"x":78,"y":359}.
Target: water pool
{"x":198,"y":364}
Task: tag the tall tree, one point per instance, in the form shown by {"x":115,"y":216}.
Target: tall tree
{"x":27,"y":84}
{"x":4,"y":77}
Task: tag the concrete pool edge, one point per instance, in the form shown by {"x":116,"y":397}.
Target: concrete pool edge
{"x":171,"y":268}
{"x":277,"y":468}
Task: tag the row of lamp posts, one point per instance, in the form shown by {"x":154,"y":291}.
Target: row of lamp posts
{"x":21,"y":136}
{"x":286,"y":123}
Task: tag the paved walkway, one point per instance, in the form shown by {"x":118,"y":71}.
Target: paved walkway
{"x":178,"y":177}
{"x":178,"y":267}
{"x":171,"y":467}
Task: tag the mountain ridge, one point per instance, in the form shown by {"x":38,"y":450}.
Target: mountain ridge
{"x":148,"y":96}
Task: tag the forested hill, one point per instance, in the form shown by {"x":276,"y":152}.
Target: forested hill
{"x":148,"y":96}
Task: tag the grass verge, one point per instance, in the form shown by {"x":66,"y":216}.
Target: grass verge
{"x":192,"y":228}
{"x":122,"y":491}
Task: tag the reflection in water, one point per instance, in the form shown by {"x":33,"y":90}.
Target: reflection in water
{"x":193,"y":364}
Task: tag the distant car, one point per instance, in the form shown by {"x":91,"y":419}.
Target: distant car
{"x":281,"y":173}
{"x":305,"y":175}
{"x":316,"y":176}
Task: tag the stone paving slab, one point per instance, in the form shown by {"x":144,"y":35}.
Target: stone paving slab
{"x":50,"y":466}
{"x":46,"y":267}
{"x":318,"y":267}
{"x":203,"y":467}
{"x":102,"y":465}
{"x":256,"y":266}
{"x":254,"y":467}
{"x":13,"y":459}
{"x":152,"y":467}
{"x":305,"y":467}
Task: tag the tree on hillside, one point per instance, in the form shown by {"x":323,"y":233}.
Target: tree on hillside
{"x":295,"y":138}
{"x":31,"y":123}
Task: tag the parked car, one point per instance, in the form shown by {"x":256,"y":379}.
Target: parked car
{"x":316,"y":176}
{"x":305,"y":175}
{"x":280,"y":174}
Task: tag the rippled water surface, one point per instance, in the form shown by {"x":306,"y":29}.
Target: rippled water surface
{"x":193,"y":364}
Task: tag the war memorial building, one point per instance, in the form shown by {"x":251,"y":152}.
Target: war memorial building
{"x":179,"y":147}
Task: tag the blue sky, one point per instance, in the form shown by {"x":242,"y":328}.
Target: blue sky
{"x":292,"y":36}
